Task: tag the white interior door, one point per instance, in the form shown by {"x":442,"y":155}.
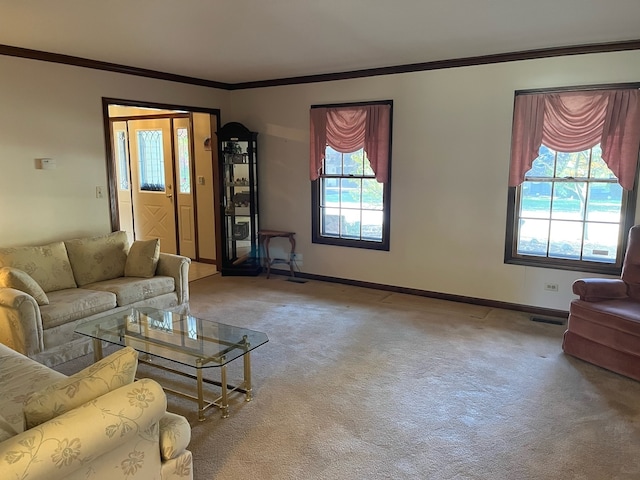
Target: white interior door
{"x":184,"y":189}
{"x":152,"y":186}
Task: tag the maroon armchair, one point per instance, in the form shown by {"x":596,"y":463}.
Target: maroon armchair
{"x":604,"y":323}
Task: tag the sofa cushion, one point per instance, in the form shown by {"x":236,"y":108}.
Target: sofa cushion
{"x":48,"y":265}
{"x":622,"y":315}
{"x":6,"y":430}
{"x":75,"y":303}
{"x":142,"y":258}
{"x":98,"y":258}
{"x":11,"y":277}
{"x":20,"y":376}
{"x":111,"y":372}
{"x":129,"y":290}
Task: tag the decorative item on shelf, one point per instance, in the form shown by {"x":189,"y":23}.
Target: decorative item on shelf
{"x":242,"y":199}
{"x":230,"y":209}
{"x":232,"y":147}
{"x":240,"y":230}
{"x":237,"y":158}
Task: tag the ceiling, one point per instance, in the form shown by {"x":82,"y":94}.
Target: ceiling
{"x":235,"y":41}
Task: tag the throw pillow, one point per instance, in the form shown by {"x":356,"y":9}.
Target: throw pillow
{"x":48,"y":265}
{"x":142,"y":259}
{"x":111,"y":372}
{"x":96,"y":259}
{"x":15,"y":278}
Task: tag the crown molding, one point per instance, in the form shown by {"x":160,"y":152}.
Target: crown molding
{"x":12,"y":51}
{"x":327,"y":77}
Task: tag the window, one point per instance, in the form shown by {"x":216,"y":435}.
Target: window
{"x":350,"y":193}
{"x":184,"y":172}
{"x":151,"y":160}
{"x":122,"y":160}
{"x":567,"y":208}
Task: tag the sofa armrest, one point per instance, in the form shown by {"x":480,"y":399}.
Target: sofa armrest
{"x":176,"y":266}
{"x":59,"y":447}
{"x":175,"y":435}
{"x":20,"y":322}
{"x":598,"y":289}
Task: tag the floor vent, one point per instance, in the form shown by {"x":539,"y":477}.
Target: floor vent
{"x":551,"y":320}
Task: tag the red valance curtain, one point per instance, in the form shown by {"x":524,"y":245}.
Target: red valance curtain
{"x":347,"y":129}
{"x":576,"y":121}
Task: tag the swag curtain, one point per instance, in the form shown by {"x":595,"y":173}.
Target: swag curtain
{"x":347,"y":129}
{"x":576,"y":121}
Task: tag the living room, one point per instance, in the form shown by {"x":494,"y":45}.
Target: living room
{"x":441,"y":117}
{"x":450,"y":164}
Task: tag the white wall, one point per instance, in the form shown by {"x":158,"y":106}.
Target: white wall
{"x":51,"y":110}
{"x":451,"y":141}
{"x":451,"y":145}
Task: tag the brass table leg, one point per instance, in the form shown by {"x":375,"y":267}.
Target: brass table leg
{"x":247,"y":371}
{"x":97,"y":349}
{"x":224,"y":402}
{"x":201,"y":417}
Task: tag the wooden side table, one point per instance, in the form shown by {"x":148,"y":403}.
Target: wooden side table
{"x":265,"y":236}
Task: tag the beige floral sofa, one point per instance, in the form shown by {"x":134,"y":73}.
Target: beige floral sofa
{"x":46,"y":291}
{"x":98,"y":424}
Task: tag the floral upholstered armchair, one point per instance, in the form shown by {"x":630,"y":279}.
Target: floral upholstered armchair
{"x":96,"y":424}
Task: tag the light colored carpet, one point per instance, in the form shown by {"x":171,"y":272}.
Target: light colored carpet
{"x":364,"y":384}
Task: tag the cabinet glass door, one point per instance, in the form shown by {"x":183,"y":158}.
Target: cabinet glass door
{"x":240,"y":203}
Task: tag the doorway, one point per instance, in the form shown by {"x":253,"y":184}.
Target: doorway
{"x":162,"y":164}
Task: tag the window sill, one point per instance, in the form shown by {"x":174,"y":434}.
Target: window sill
{"x":343,"y":242}
{"x":558,"y":264}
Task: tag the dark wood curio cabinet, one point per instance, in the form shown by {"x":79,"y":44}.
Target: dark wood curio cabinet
{"x":238,"y":154}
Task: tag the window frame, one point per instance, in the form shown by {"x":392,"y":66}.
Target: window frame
{"x":511,"y":240}
{"x":627,"y":218}
{"x":316,"y":236}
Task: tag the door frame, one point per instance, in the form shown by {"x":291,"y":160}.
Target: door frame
{"x":112,"y":179}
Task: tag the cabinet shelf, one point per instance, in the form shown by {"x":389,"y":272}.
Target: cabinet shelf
{"x":239,"y":200}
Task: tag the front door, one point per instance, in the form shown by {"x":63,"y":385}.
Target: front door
{"x":152,"y":178}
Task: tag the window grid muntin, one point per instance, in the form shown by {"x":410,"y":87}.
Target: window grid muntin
{"x":555,"y":181}
{"x":342,"y":178}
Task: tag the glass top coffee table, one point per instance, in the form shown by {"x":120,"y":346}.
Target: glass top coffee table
{"x":180,"y":339}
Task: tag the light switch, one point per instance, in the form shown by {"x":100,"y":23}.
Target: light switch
{"x":45,"y":163}
{"x":200,"y":180}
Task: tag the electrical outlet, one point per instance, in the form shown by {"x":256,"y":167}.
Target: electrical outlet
{"x":99,"y":192}
{"x":551,"y":287}
{"x":297,"y":258}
